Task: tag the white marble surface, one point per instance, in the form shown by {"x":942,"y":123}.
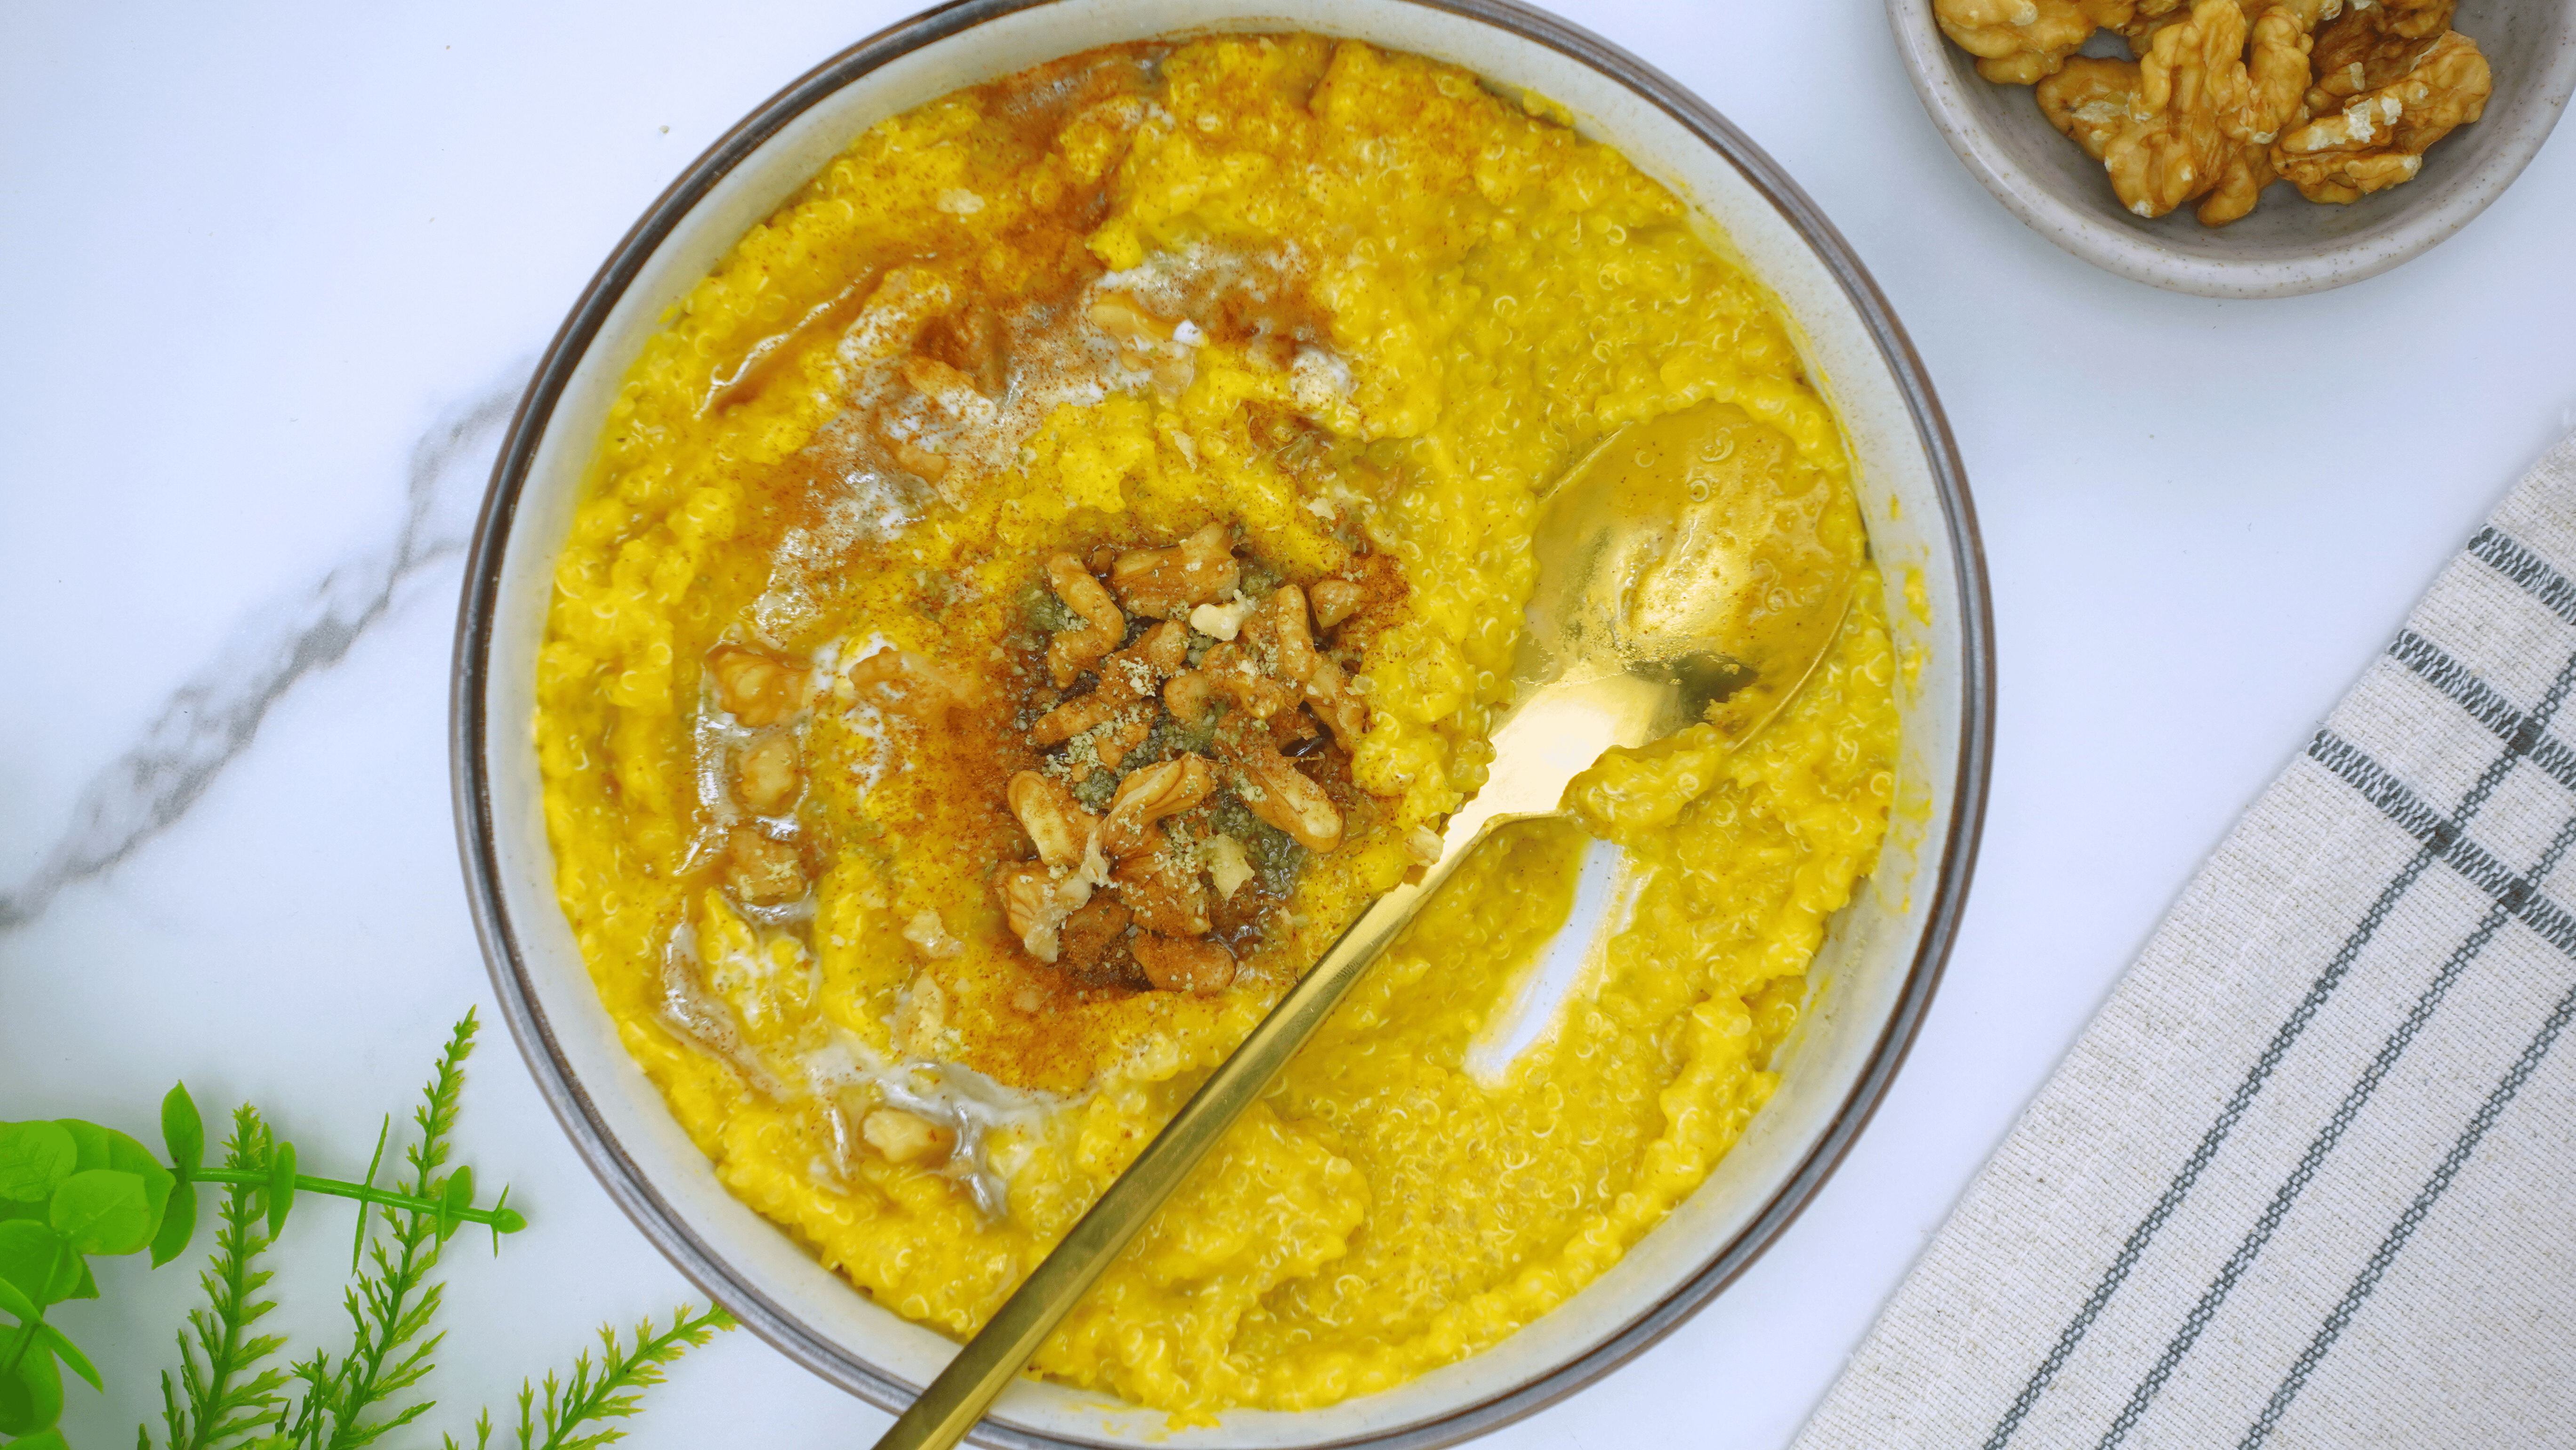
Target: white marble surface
{"x":277,"y":272}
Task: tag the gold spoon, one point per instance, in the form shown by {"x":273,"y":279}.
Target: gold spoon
{"x":1672,"y":587}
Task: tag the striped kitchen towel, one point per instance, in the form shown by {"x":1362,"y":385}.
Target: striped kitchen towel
{"x":2310,"y":1177}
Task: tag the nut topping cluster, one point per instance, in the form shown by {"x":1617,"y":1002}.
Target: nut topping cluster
{"x":1179,"y":711}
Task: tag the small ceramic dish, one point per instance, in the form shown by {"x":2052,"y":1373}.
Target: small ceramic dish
{"x":1874,"y":975}
{"x":2289,"y":245}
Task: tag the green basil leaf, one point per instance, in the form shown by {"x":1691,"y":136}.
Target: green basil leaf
{"x":281,"y":1187}
{"x":88,"y":1286}
{"x":31,"y":1397}
{"x":33,"y":1158}
{"x":103,"y":1211}
{"x":70,"y":1354}
{"x":90,"y":1139}
{"x":178,"y":1223}
{"x":29,"y":1255}
{"x":42,"y":1440}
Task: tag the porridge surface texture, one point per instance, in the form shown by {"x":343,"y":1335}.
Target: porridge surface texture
{"x":824,"y":597}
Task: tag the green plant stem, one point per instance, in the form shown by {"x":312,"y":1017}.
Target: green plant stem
{"x":507,"y":1220}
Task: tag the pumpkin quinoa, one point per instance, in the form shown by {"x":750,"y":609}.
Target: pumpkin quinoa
{"x":1048,"y":577}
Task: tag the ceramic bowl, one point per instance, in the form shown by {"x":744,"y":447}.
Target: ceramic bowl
{"x":2288,"y":245}
{"x":1875,"y":975}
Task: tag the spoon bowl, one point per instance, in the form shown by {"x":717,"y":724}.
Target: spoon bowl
{"x":1673,"y":589}
{"x":1663,"y":554}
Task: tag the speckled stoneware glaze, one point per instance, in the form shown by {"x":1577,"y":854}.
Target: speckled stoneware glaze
{"x":2289,"y":245}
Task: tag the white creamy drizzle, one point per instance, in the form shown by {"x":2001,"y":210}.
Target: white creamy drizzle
{"x":993,"y":1123}
{"x":700,"y":1017}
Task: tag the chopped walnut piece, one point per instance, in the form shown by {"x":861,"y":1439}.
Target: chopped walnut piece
{"x":1423,"y":844}
{"x":1072,"y":651}
{"x":1111,"y":746}
{"x":1334,"y":600}
{"x":1036,"y":899}
{"x":1055,"y":821}
{"x":1222,"y":621}
{"x":1126,"y":319}
{"x":1128,"y":679}
{"x":930,"y":936}
{"x":1232,"y":672}
{"x":1079,"y":714}
{"x":1278,"y":792}
{"x":1160,"y":884}
{"x":1278,"y":638}
{"x":767,"y":774}
{"x":760,"y":871}
{"x":1151,"y":794}
{"x":756,"y":689}
{"x":1197,"y":965}
{"x":1155,"y":656}
{"x":2017,"y":42}
{"x":914,"y":687}
{"x":2378,"y":139}
{"x":1227,"y":865}
{"x":1337,"y":703}
{"x":903,"y":1137}
{"x":1088,"y":936}
{"x":1188,"y":696}
{"x":1168,"y":583}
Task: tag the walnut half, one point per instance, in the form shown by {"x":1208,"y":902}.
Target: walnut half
{"x":755,"y":688}
{"x":1072,"y":651}
{"x":2017,"y":42}
{"x":1061,"y":829}
{"x":2418,"y":94}
{"x":1278,"y":792}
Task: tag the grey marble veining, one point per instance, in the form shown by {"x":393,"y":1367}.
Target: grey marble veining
{"x":209,"y":720}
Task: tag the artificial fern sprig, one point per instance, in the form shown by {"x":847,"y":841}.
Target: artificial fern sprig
{"x":220,"y":1405}
{"x":72,"y":1190}
{"x":599,"y":1396}
{"x":391,"y":1308}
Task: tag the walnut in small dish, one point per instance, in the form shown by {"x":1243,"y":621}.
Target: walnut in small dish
{"x":2226,"y":96}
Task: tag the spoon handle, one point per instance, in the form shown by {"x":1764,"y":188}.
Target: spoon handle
{"x":958,"y":1398}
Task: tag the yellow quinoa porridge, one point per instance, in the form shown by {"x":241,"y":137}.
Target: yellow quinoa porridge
{"x":1062,"y":565}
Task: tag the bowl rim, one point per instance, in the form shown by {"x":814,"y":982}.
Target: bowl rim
{"x":2121,"y":252}
{"x":469,"y":730}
